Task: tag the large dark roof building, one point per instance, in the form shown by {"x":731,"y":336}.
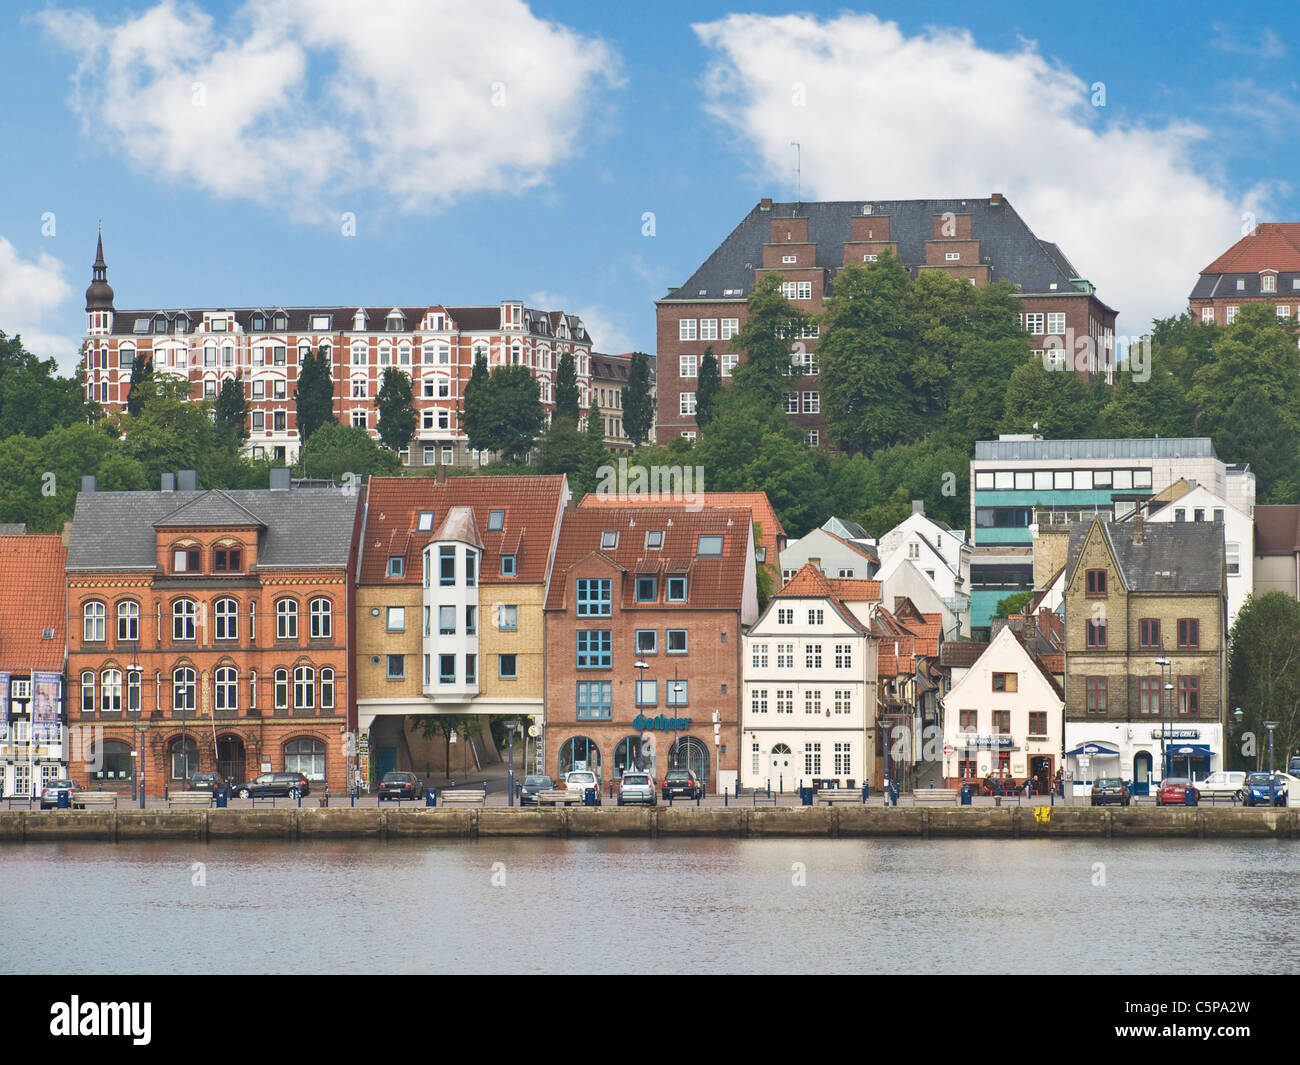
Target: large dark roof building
{"x":1262,"y":267}
{"x":983,"y":240}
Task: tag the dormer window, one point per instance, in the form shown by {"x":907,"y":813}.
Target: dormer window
{"x":676,"y":589}
{"x":280,"y":323}
{"x":258,"y":324}
{"x":1241,"y":284}
{"x":217,"y":324}
{"x":320,"y":323}
{"x":645,"y":589}
{"x":395,"y":323}
{"x":182,"y":324}
{"x":507,"y":565}
{"x":396,"y":565}
{"x":1268,"y":282}
{"x":160,"y":324}
{"x":496,"y":520}
{"x":227,"y":560}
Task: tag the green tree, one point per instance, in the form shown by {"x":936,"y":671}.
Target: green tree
{"x":231,"y":413}
{"x":33,"y":398}
{"x":141,"y":387}
{"x":511,"y":412}
{"x":707,"y":387}
{"x":476,"y":405}
{"x":334,"y":450}
{"x":566,"y":388}
{"x":314,"y":394}
{"x":593,"y":452}
{"x":771,"y":330}
{"x":171,"y":432}
{"x":1147,"y":400}
{"x":396,"y":405}
{"x":638,"y":405}
{"x":447,"y":725}
{"x":563,"y":448}
{"x":879,"y":519}
{"x":1063,"y":404}
{"x":1012,"y":604}
{"x":1264,"y":677}
{"x":1253,"y":430}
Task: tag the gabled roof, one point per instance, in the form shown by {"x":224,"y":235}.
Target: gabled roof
{"x":459,"y":525}
{"x":961,"y":654}
{"x":714,"y":582}
{"x":862,"y":549}
{"x":208,"y":509}
{"x":1273,"y":245}
{"x":393,"y":506}
{"x":763,"y":512}
{"x":811,"y":583}
{"x":1008,"y":642}
{"x":1177,"y":556}
{"x":32,"y":603}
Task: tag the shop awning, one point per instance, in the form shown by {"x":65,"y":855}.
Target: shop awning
{"x":1095,"y":748}
{"x":1187,"y":750}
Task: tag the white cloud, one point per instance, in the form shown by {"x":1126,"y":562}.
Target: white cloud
{"x":1269,"y":45}
{"x":31,"y":291}
{"x":307,"y":105}
{"x":607,"y":329}
{"x":883,"y":116}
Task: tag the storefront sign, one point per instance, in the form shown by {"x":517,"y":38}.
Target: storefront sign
{"x":1159,"y":732}
{"x":664,"y":724}
{"x":985,"y":743}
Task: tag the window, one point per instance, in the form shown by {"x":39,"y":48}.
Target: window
{"x":677,"y":692}
{"x":1189,"y":632}
{"x":128,"y":620}
{"x":1268,"y":282}
{"x":185,"y":560}
{"x":1149,"y":632}
{"x":727,"y":364}
{"x":792,"y":403}
{"x":183,"y":690}
{"x":812,"y":701}
{"x":843,"y":700}
{"x":446,"y":669}
{"x":1038,"y":723}
{"x":396,"y":669}
{"x":645,"y":589}
{"x":1034,"y":323}
{"x":496,"y":520}
{"x":812,"y":402}
{"x":594,"y":597}
{"x":286,"y":619}
{"x":1001,"y":722}
{"x":647,"y":693}
{"x":225,"y":617}
{"x":395,"y":619}
{"x":1056,"y":323}
{"x":812,"y":759}
{"x":471,"y":568}
{"x":111,"y":691}
{"x":183,"y":618}
{"x":1005,"y":682}
{"x":758,"y":655}
{"x":258,"y":420}
{"x":282,"y":689}
{"x":227,"y":688}
{"x":471,"y":621}
{"x":812,"y":437}
{"x":280,"y":421}
{"x":784,"y":615}
{"x":507,"y":616}
{"x":1207,"y":314}
{"x":1232,"y":313}
{"x":686,"y":329}
{"x":1096,"y":582}
{"x":396,"y":565}
{"x":812,"y":656}
{"x":758,"y":701}
{"x":686,"y":403}
{"x":797,"y":290}
{"x":227,"y":560}
{"x":676,"y":589}
{"x":93,"y":621}
{"x":1096,"y":629}
{"x":675,"y":641}
{"x":1149,"y":695}
{"x":844,"y":656}
{"x":687,"y":365}
{"x":595,"y":700}
{"x":1189,"y":695}
{"x":446,"y":621}
{"x":425,"y":521}
{"x":785,"y":700}
{"x":708,"y":545}
{"x":1233,"y":557}
{"x":87,"y":692}
{"x":327,"y":689}
{"x":446,"y":566}
{"x":816,"y":617}
{"x":969,"y":720}
{"x":1096,"y":695}
{"x":507,"y":667}
{"x":654,"y":540}
{"x":785,"y":656}
{"x":322,"y":615}
{"x":842,"y":761}
{"x":730,"y":327}
{"x":647,"y":641}
{"x":306,"y":756}
{"x":595,"y":649}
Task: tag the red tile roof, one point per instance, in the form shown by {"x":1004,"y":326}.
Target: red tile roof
{"x":714,"y":582}
{"x":811,"y":583}
{"x":33,"y":600}
{"x":855,"y":590}
{"x":764,"y":515}
{"x":393,"y":506}
{"x":1273,"y":245}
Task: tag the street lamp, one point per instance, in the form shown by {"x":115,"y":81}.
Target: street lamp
{"x":1237,"y":715}
{"x":1163,"y":663}
{"x":640,"y":665}
{"x":133,"y":683}
{"x":511,"y":726}
{"x":677,"y":701}
{"x":1270,"y":725}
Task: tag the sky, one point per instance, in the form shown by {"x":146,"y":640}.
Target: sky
{"x":588,"y":157}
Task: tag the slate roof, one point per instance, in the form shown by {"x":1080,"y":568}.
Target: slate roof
{"x":304,"y":528}
{"x":1007,"y":244}
{"x":1277,"y":529}
{"x":211,"y":508}
{"x":33,"y":601}
{"x":714,"y":583}
{"x":852,"y":528}
{"x":1181,"y":556}
{"x":961,"y":653}
{"x":394,"y":504}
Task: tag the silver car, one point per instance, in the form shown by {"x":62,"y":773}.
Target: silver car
{"x":583,"y":780}
{"x":637,"y":787}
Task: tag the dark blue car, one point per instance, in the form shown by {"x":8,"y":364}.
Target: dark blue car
{"x":1257,"y":790}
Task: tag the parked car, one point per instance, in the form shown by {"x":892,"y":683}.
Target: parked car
{"x":1174,"y":791}
{"x":1258,"y":790}
{"x":1222,"y":785}
{"x":537,"y":782}
{"x":683,"y":782}
{"x":206,"y":782}
{"x":274,"y":784}
{"x":399,"y":785}
{"x":1107,"y":790}
{"x":584,"y":780}
{"x":50,"y":792}
{"x":638,"y":787}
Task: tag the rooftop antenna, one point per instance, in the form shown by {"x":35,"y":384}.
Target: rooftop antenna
{"x":798,"y":153}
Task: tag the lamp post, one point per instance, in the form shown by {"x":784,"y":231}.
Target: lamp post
{"x":134,"y":683}
{"x":1270,"y":725}
{"x":640,"y":665}
{"x":1237,"y":715}
{"x":512,"y":725}
{"x":677,"y":701}
{"x":1163,"y":663}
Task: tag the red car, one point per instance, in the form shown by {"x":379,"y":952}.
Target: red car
{"x":1174,"y":792}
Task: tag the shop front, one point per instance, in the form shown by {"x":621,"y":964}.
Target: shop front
{"x":651,"y":743}
{"x":1142,"y":755}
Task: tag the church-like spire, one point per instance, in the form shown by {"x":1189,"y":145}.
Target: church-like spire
{"x":99,"y":296}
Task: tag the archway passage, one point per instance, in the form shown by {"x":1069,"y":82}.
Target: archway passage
{"x":182,"y":759}
{"x":578,"y":752}
{"x":230,"y":759}
{"x":690,"y":753}
{"x":636,"y":753}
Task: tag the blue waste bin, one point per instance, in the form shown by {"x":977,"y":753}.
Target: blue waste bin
{"x":589,"y":797}
{"x":223,"y":798}
{"x":806,"y":796}
{"x":430,"y":797}
{"x":1190,"y":797}
{"x":64,"y":800}
{"x":966,"y":795}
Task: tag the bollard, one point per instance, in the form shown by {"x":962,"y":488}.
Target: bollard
{"x":165,"y":794}
{"x":430,"y":797}
{"x":699,"y":796}
{"x":352,"y":795}
{"x":724,"y":795}
{"x":297,"y":794}
{"x":326,"y":801}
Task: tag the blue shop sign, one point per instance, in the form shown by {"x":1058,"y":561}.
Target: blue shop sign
{"x":1175,"y":733}
{"x":664,"y":724}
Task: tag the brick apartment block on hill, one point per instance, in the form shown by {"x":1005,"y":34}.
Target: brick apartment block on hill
{"x":434,"y":345}
{"x":1262,"y":267}
{"x":983,"y":240}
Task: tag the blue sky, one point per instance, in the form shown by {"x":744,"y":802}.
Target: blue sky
{"x":499,"y":150}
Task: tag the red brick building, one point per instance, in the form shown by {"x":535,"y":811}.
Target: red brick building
{"x":644,"y":615}
{"x":210,"y":631}
{"x":807,"y":243}
{"x":1262,"y":267}
{"x":264,"y":347}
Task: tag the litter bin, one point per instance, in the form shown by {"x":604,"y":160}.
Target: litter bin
{"x":806,"y":796}
{"x":1190,"y":797}
{"x":430,"y":797}
{"x":589,"y":797}
{"x":965,"y":794}
{"x":64,"y":801}
{"x":223,"y":798}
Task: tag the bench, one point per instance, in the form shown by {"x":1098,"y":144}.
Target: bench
{"x":85,"y":800}
{"x":558,"y":798}
{"x":26,"y":800}
{"x":935,"y":795}
{"x":189,"y":799}
{"x":448,"y":798}
{"x":830,"y":796}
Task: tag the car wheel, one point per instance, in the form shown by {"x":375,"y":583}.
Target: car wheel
{"x":244,"y":793}
{"x":1127,"y":801}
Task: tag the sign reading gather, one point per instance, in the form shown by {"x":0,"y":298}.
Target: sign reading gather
{"x":665,"y":724}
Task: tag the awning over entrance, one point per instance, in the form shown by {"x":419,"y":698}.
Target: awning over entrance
{"x":1095,"y":748}
{"x":1187,"y":750}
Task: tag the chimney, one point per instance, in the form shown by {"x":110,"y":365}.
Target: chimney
{"x":187,"y":481}
{"x":280,"y":478}
{"x":918,"y":507}
{"x":88,"y":483}
{"x":168,"y":482}
{"x":995,"y":200}
{"x":1137,"y":525}
{"x":765,"y":204}
{"x":1029,"y":632}
{"x":441,"y":474}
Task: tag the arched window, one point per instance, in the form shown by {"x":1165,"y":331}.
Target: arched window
{"x":579,"y":749}
{"x":110,"y":691}
{"x":128,"y":620}
{"x":116,"y":764}
{"x":305,"y":756}
{"x":183,"y":754}
{"x":282,"y":689}
{"x":92,"y":616}
{"x":88,"y":692}
{"x":183,"y":686}
{"x":690,"y":753}
{"x":304,"y":688}
{"x":227,"y":688}
{"x":184,"y":613}
{"x":327,"y":689}
{"x":286,"y":619}
{"x":225,"y":615}
{"x":321,"y":618}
